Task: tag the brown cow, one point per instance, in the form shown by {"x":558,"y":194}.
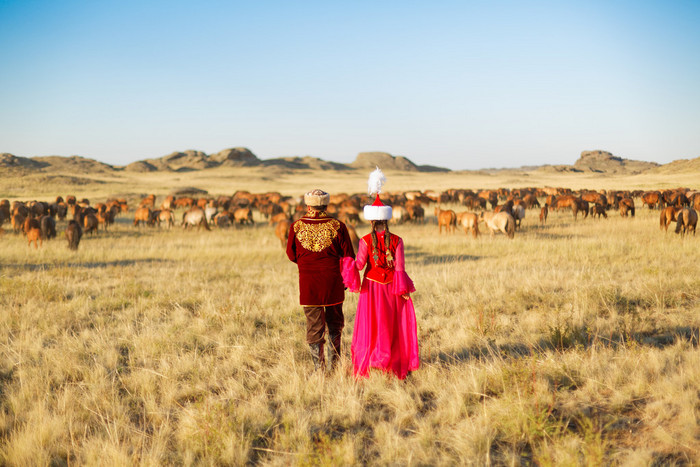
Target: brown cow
{"x":448,"y":218}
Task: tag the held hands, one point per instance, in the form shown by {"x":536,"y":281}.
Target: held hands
{"x":406,"y":296}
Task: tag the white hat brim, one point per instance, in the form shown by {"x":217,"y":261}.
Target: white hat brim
{"x":377,"y":213}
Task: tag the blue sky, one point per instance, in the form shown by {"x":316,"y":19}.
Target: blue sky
{"x":463,"y":84}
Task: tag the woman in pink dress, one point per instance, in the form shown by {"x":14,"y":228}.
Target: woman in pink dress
{"x":385,"y":333}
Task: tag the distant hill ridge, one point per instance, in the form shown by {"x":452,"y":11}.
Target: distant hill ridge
{"x":596,"y":161}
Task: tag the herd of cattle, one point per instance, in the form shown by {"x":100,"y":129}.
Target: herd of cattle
{"x":499,"y":210}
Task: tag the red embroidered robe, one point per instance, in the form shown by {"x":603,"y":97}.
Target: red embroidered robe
{"x":317,"y":245}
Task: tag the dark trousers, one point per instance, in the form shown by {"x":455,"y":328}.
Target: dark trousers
{"x":318,"y":317}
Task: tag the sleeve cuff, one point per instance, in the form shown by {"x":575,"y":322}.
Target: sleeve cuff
{"x":351,"y":276}
{"x":402,"y":284}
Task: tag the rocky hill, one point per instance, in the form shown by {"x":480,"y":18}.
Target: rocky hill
{"x":385,"y":161}
{"x":679,"y":166}
{"x":605,"y":162}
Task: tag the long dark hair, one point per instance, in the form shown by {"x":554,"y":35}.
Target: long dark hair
{"x":387,"y":240}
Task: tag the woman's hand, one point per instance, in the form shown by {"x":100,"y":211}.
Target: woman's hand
{"x":406,"y":296}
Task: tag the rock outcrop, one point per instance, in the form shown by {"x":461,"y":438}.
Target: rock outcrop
{"x":235,"y":157}
{"x":383,"y":160}
{"x":605,"y":162}
{"x":8,"y":160}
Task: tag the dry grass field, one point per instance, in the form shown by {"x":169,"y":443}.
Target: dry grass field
{"x":575,"y":343}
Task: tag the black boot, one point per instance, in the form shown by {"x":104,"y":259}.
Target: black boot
{"x":334,"y":348}
{"x":317,"y":356}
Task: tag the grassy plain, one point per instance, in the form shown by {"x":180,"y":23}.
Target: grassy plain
{"x":576,"y":343}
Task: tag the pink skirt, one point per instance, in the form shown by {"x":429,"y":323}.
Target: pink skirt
{"x":385,"y":334}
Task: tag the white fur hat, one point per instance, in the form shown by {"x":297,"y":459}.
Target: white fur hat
{"x":377,"y":211}
{"x":317,"y":198}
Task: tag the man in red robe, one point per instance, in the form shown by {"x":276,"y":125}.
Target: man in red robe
{"x":317,"y":244}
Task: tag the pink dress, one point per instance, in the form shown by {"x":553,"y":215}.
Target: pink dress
{"x":385,"y":334}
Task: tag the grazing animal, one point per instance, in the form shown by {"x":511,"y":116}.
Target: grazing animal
{"x":282,"y":231}
{"x":222,"y":220}
{"x":626,"y":206}
{"x":582,"y":206}
{"x":399,"y":214}
{"x":686,"y":221}
{"x":505,"y":207}
{"x":195,"y":217}
{"x":415,"y":211}
{"x":142,"y":214}
{"x":34,"y":235}
{"x":275,"y":219}
{"x":501,"y":221}
{"x":469,"y":222}
{"x":531,"y":201}
{"x":668,"y":215}
{"x":350,"y":215}
{"x":568,"y":201}
{"x":543,"y":214}
{"x":166,"y":217}
{"x":30,"y":223}
{"x":448,"y":218}
{"x":518,"y":213}
{"x":243,"y":216}
{"x":652,"y":199}
{"x":48,"y":227}
{"x":598,"y":210}
{"x":210,"y":211}
{"x":17,"y":222}
{"x":73,"y":234}
{"x":90,"y":223}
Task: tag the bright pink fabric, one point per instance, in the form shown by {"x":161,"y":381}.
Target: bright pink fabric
{"x":385,"y":334}
{"x":351,"y":277}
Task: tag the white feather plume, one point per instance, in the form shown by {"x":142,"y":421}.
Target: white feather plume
{"x":376,"y":182}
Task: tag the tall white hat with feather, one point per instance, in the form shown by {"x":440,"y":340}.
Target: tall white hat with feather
{"x":377,"y":211}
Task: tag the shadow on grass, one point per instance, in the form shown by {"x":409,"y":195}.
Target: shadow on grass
{"x":89,"y":264}
{"x":558,"y":340}
{"x":423,"y":258}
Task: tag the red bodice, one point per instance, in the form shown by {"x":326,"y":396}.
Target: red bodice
{"x":378,"y":269}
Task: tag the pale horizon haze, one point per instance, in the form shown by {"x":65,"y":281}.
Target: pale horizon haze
{"x":456,"y":84}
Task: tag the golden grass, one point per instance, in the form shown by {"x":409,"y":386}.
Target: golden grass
{"x":575,"y":343}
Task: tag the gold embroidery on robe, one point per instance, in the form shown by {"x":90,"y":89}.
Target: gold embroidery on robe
{"x":316,"y":237}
